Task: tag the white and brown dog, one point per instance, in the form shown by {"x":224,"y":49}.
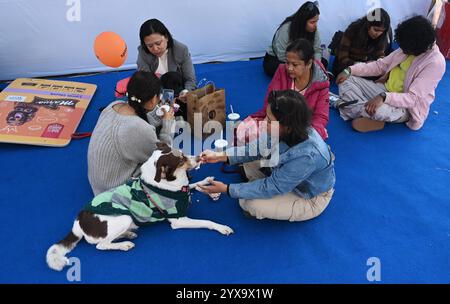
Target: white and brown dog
{"x":162,"y":192}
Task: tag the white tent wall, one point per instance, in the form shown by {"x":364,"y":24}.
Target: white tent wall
{"x":55,"y":37}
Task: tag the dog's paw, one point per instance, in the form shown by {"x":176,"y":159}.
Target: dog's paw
{"x":206,"y":181}
{"x":199,"y":189}
{"x":129,"y":235}
{"x":125,"y":246}
{"x":225,"y":230}
{"x":58,"y":263}
{"x":215,"y":196}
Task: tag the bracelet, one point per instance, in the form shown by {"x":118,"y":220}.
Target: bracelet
{"x":347,"y":71}
{"x":228,"y":190}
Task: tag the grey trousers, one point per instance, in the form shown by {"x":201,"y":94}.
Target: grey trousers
{"x":363,"y":90}
{"x":288,"y":206}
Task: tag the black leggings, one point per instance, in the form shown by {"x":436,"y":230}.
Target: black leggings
{"x":270,"y":64}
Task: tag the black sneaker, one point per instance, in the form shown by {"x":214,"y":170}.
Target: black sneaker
{"x":339,"y":103}
{"x":343,"y":103}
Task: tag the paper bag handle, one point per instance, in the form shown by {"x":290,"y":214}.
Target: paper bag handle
{"x":203,"y":83}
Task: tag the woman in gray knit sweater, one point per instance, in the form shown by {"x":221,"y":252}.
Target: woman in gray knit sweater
{"x":123,"y":139}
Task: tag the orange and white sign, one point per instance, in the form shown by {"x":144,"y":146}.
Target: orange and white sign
{"x":42,"y":112}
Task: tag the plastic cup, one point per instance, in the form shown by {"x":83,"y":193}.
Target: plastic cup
{"x":220,"y":144}
{"x":160,"y":112}
{"x":234,"y":116}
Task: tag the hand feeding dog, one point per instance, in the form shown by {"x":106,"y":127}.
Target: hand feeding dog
{"x":214,"y":196}
{"x":162,"y":192}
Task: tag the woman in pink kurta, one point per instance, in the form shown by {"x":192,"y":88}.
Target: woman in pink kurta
{"x":300,"y":73}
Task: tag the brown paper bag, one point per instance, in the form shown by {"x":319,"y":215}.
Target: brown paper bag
{"x":208,"y":101}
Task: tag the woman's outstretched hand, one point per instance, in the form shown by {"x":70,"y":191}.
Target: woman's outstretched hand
{"x":211,"y":157}
{"x":214,"y":187}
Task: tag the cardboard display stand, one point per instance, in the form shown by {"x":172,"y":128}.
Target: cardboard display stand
{"x":42,"y":112}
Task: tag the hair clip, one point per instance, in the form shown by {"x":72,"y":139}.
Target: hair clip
{"x":132,"y":98}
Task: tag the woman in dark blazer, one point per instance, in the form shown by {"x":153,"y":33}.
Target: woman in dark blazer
{"x":159,"y":53}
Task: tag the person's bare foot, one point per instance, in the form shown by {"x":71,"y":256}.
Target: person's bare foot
{"x":364,"y":125}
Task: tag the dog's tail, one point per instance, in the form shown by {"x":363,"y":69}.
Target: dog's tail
{"x":56,"y":254}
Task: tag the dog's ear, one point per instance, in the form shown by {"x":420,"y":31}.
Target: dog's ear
{"x":163,"y":147}
{"x":169,"y":174}
{"x":167,"y":164}
{"x":158,"y":174}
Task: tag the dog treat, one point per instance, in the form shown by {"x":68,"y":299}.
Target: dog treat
{"x":214,"y":196}
{"x":198,"y":166}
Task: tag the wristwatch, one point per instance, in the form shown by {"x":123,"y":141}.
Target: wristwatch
{"x":383,"y":95}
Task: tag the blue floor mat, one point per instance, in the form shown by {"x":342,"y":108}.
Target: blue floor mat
{"x":391,"y":202}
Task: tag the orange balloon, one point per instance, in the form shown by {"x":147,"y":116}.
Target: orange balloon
{"x":110,"y":49}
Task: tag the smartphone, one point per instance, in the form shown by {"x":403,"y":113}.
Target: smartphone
{"x":168,"y":95}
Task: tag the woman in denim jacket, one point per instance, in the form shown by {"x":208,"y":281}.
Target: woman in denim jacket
{"x":297,"y":188}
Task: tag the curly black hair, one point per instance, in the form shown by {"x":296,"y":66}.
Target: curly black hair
{"x":415,"y":36}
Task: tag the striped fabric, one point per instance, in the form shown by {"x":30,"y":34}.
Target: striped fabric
{"x":131,"y":199}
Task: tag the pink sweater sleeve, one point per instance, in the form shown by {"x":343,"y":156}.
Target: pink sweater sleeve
{"x":371,"y":69}
{"x":321,"y":113}
{"x":422,"y":89}
{"x":379,"y":67}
